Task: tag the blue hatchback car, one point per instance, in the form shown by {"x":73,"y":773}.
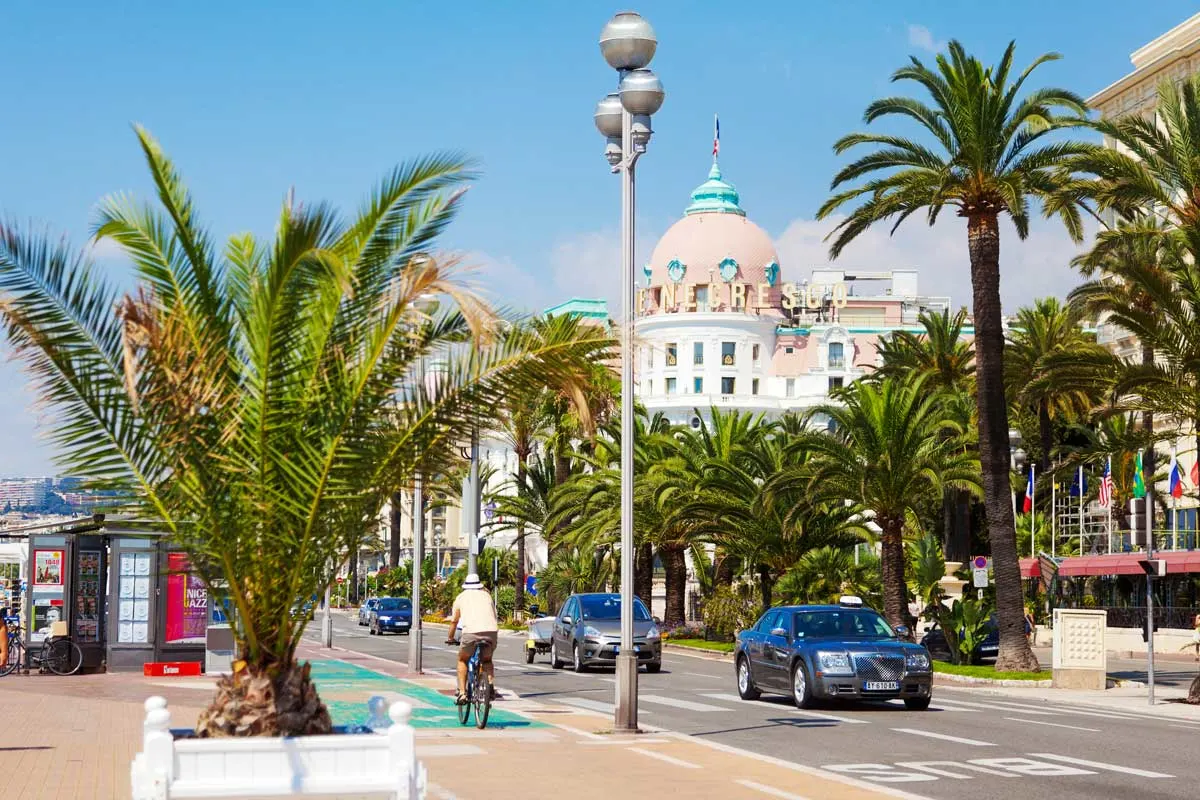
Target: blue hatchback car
{"x":837,"y":652}
{"x":390,"y":615}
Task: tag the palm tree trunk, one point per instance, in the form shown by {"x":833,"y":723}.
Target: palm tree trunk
{"x":766,"y":586}
{"x":266,"y":700}
{"x":891,"y":568}
{"x":352,"y":595}
{"x":723,"y":569}
{"x":643,"y":573}
{"x":1045,"y":436}
{"x":397,"y":521}
{"x":675,"y":567}
{"x":983,"y":244}
{"x":519,"y":601}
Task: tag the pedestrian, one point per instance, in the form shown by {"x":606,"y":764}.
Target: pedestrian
{"x":1031,"y":626}
{"x":1196,"y":635}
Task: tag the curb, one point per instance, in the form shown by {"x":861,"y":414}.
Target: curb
{"x":946,"y":678}
{"x":697,"y":652}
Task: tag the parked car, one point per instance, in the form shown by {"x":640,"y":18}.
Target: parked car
{"x":364,"y":611}
{"x":587,"y":633}
{"x":390,"y":615}
{"x":987,"y":650}
{"x":838,"y":652}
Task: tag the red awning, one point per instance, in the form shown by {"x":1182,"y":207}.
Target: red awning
{"x":1178,"y":562}
{"x":1030,"y":568}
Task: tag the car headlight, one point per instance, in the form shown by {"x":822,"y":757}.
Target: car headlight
{"x":385,"y":619}
{"x":652,"y":633}
{"x":590,"y":633}
{"x":835,"y":663}
{"x":917,"y":662}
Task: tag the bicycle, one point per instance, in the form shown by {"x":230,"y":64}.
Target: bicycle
{"x":478,"y":695}
{"x":59,"y":656}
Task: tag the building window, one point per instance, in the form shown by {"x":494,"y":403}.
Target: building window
{"x":726,"y":385}
{"x":754,"y":354}
{"x":789,"y":350}
{"x":789,"y":387}
{"x":698,"y":385}
{"x":670,"y":386}
{"x":672,"y":353}
{"x":702,"y":298}
{"x":837,"y":358}
{"x":754,"y":386}
{"x":650,"y":358}
{"x":727,"y":351}
{"x":835,"y":383}
{"x":698,"y":352}
{"x":650,"y":387}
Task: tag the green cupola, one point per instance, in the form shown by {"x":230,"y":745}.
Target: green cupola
{"x":715,"y":195}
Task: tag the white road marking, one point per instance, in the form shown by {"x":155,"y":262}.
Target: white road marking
{"x":955,"y":770}
{"x":686,"y":705}
{"x":771,"y":790}
{"x":719,"y":696}
{"x":503,"y":661}
{"x":1052,"y":724}
{"x":590,"y":705}
{"x":944,"y":737}
{"x":625,"y":741}
{"x":708,"y":677}
{"x":834,"y":717}
{"x":997,"y":707}
{"x":679,"y":762}
{"x":956,"y":709}
{"x":1141,"y":773}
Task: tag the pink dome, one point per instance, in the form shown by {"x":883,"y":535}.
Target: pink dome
{"x":700,"y":242}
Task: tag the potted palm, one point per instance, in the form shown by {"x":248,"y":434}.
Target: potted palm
{"x":257,"y":397}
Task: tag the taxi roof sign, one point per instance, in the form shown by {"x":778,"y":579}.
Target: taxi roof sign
{"x":850,"y":600}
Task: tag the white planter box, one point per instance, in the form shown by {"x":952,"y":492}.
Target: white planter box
{"x":263,"y":766}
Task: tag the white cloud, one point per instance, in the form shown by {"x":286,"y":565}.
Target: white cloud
{"x":105,"y":251}
{"x":922,"y":37}
{"x":1036,"y":267}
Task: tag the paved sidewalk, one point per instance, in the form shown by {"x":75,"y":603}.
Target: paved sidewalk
{"x":75,"y":738}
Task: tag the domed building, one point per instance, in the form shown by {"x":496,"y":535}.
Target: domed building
{"x":719,"y":325}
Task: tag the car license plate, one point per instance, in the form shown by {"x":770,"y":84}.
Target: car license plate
{"x":881,"y":686}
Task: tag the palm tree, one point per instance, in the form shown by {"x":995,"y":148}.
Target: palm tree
{"x":827,"y":573}
{"x":1042,"y":336}
{"x":246,"y":394}
{"x":888,"y":455}
{"x":990,"y":156}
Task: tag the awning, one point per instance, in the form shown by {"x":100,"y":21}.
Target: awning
{"x":1030,"y":568}
{"x":1179,"y":562}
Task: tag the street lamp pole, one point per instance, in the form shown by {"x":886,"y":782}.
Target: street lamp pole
{"x":627,"y":44}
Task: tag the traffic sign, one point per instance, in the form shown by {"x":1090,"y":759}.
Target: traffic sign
{"x":979,"y":577}
{"x":489,"y":511}
{"x":980,"y":562}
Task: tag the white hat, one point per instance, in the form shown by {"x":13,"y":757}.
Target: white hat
{"x":472,"y":582}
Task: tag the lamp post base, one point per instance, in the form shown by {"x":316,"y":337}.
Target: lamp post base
{"x":626,"y":717}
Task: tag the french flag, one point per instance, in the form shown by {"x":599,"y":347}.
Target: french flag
{"x":1028,"y":504}
{"x":716,"y":136}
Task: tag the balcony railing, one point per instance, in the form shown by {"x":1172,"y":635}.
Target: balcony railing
{"x":837,"y":362}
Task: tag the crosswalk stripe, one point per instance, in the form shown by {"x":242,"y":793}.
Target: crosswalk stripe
{"x":719,"y":696}
{"x":811,"y":714}
{"x":944,"y":737}
{"x":686,"y":705}
{"x":590,"y":705}
{"x":997,"y":707}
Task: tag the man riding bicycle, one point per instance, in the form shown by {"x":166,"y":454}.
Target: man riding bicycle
{"x":473,"y":607}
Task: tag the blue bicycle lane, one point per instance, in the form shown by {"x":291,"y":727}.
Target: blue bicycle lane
{"x":345,"y":688}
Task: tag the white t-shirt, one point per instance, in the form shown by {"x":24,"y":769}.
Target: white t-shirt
{"x":476,"y":614}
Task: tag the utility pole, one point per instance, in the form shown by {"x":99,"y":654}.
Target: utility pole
{"x":416,"y":633}
{"x":470,"y":499}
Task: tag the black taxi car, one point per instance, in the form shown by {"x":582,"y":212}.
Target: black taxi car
{"x":837,"y":652}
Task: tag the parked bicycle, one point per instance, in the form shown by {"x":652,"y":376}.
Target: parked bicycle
{"x":478,"y":696}
{"x":58,"y":656}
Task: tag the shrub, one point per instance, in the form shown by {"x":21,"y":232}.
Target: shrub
{"x":727,"y":612}
{"x":687,"y":630}
{"x":506,"y":601}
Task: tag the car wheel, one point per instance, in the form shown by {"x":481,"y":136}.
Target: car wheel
{"x":917,"y":703}
{"x":555,"y":662}
{"x":802,"y":694}
{"x":654,"y":667}
{"x":577,"y":664}
{"x":746,"y":688}
{"x":370,"y":630}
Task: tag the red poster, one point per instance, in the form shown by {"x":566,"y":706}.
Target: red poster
{"x":187,"y":602}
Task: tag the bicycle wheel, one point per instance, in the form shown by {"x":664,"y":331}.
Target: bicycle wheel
{"x":483,"y":703}
{"x":16,"y":657}
{"x":464,"y":708}
{"x":62,"y":657}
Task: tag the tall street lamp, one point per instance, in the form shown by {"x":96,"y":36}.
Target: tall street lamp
{"x":623,"y":117}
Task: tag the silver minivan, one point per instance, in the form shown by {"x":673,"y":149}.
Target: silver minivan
{"x":587,"y":633}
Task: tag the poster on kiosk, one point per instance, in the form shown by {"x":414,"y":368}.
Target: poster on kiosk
{"x":186,"y":604}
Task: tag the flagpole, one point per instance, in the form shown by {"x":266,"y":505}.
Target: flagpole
{"x":1032,"y":512}
{"x":1053,"y":513}
{"x":1081,"y":509}
{"x":1171,"y":488}
{"x":1108,"y":506}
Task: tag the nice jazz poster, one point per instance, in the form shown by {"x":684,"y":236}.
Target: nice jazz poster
{"x":187,"y":602}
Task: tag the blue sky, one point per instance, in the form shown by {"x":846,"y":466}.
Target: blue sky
{"x":252,"y":98}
